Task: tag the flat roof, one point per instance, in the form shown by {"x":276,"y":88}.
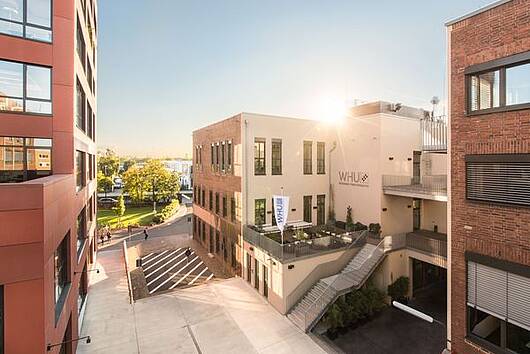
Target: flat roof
{"x":476,"y":12}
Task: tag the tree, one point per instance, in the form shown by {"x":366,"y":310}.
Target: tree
{"x":108,"y":163}
{"x":128,"y":163}
{"x":160,"y":182}
{"x":104,"y":183}
{"x":119,"y":209}
{"x":135,"y":183}
{"x":349,"y":219}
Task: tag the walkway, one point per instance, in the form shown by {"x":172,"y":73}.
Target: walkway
{"x":223,"y":316}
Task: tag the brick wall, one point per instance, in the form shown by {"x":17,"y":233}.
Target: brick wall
{"x":498,"y":231}
{"x":225,"y":183}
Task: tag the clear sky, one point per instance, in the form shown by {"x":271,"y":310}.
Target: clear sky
{"x":168,"y":67}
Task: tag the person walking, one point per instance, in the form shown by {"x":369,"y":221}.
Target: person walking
{"x":146,"y":235}
{"x":102,"y":238}
{"x":188,"y":254}
{"x":109,"y":236}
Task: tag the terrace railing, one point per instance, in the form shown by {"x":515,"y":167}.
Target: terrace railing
{"x":434,"y":134}
{"x":433,"y":185}
{"x":299,"y":248}
{"x":425,"y":244}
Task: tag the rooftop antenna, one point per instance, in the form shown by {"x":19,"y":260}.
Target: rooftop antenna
{"x":434,"y":101}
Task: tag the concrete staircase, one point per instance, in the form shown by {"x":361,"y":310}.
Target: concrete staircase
{"x":306,"y":313}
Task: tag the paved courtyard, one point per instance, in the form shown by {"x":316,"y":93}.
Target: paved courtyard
{"x":222,"y":316}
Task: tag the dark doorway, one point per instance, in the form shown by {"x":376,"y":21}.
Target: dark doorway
{"x":249,"y":268}
{"x":426,"y":275}
{"x":416,"y":214}
{"x":256,"y":274}
{"x":265,"y":281}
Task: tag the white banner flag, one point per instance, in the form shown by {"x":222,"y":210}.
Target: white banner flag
{"x":281,"y":210}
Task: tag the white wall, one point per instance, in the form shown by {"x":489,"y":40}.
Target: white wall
{"x":293,"y":132}
{"x":434,"y":213}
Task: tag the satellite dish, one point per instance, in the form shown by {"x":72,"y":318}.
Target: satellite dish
{"x":435,"y":100}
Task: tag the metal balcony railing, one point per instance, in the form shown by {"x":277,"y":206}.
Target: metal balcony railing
{"x":299,"y":248}
{"x":434,"y":134}
{"x":432,"y":186}
{"x":428,"y":242}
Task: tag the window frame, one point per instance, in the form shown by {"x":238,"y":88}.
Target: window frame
{"x":24,"y":96}
{"x":60,"y":298}
{"x":501,"y":65}
{"x":262,"y":171}
{"x":321,"y":203}
{"x":262,"y":211}
{"x":276,"y":163}
{"x":321,"y":162}
{"x":80,"y":187}
{"x":307,"y":161}
{"x":310,"y":211}
{"x":25,"y":147}
{"x":24,"y":23}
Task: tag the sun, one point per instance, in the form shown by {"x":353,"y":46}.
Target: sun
{"x":332,"y":110}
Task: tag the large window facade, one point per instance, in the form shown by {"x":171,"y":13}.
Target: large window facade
{"x":80,"y":170}
{"x":30,"y":19}
{"x":25,"y":88}
{"x":61,"y":274}
{"x":259,"y":211}
{"x":499,"y":85}
{"x":23,"y":159}
{"x":321,"y":158}
{"x":259,"y":156}
{"x":308,"y":157}
{"x":498,"y":314}
{"x":276,"y":160}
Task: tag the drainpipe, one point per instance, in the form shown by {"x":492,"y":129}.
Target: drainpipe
{"x":331,"y":196}
{"x":245,"y":147}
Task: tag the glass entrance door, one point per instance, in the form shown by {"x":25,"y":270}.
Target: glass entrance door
{"x":256,"y":274}
{"x":249,"y":268}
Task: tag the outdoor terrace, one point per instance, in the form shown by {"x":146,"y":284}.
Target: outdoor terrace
{"x":300,"y":239}
{"x":428,"y":242}
{"x":426,"y":187}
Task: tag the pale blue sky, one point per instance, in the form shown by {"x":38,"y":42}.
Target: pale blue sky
{"x":167,"y":67}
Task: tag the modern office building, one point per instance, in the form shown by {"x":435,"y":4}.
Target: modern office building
{"x":385,"y":162}
{"x":489,"y":76}
{"x":47,"y":171}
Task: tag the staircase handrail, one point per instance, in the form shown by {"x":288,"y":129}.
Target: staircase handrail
{"x":340,"y":277}
{"x":360,"y":240}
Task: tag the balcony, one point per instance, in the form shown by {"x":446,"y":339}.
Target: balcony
{"x":430,"y":243}
{"x":434,"y":134}
{"x":300,"y":240}
{"x":426,"y":187}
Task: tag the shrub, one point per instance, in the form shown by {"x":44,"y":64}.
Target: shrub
{"x":359,"y":226}
{"x":334,"y":318}
{"x":375,"y":228}
{"x":349,"y":219}
{"x":166,"y":212}
{"x":399,"y":289}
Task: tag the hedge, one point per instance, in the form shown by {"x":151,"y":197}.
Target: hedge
{"x":167,"y":212}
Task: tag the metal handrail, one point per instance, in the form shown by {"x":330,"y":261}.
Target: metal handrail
{"x":290,"y":303}
{"x":341,"y":276}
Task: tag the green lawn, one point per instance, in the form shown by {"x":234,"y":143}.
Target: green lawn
{"x":134,"y":215}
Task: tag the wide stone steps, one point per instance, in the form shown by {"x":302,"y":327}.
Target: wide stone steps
{"x":315,"y":302}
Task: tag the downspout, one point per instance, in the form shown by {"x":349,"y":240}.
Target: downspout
{"x":331,"y":196}
{"x":245,"y":164}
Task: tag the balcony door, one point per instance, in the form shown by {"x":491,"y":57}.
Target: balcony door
{"x":256,"y":274}
{"x":249,"y":268}
{"x":416,"y":167}
{"x":265,"y":281}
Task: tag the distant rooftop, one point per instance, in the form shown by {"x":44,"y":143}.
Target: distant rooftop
{"x":388,"y":108}
{"x":476,"y":12}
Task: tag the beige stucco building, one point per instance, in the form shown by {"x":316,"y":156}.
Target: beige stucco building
{"x":385,"y":161}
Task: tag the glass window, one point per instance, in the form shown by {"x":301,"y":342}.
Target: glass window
{"x":276,"y":160}
{"x":259,"y":211}
{"x":223,"y":157}
{"x":225,"y":207}
{"x":217,"y":203}
{"x":518,"y":84}
{"x":321,"y":158}
{"x":308,"y":201}
{"x":81,"y":230}
{"x":61,"y":268}
{"x":517,"y":339}
{"x":273,"y":213}
{"x":23,"y":159}
{"x":233,"y":209}
{"x":210,"y":200}
{"x":308,"y":157}
{"x":80,"y":170}
{"x":484,"y":326}
{"x":90,"y":121}
{"x":80,"y":107}
{"x":485,"y":90}
{"x":80,"y":44}
{"x":259,"y":157}
{"x":33,"y":22}
{"x":321,"y":209}
{"x":25,"y":88}
{"x":229,"y":154}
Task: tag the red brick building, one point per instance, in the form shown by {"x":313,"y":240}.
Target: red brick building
{"x":47,"y":171}
{"x":217,"y":191}
{"x":489,"y":70}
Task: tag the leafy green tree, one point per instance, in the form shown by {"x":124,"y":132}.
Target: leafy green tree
{"x":334,"y":317}
{"x":119,"y":209}
{"x":135,"y":183}
{"x":160,"y":182}
{"x":104,"y":183}
{"x":128,"y":163}
{"x":108,"y":163}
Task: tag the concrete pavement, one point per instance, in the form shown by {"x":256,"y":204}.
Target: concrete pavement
{"x":225,"y":316}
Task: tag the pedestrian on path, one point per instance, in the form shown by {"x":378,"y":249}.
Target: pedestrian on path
{"x":102,"y":238}
{"x":146,"y":235}
{"x":188,"y":254}
{"x":108,"y":235}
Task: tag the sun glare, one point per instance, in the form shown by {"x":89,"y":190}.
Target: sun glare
{"x":332,"y":110}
